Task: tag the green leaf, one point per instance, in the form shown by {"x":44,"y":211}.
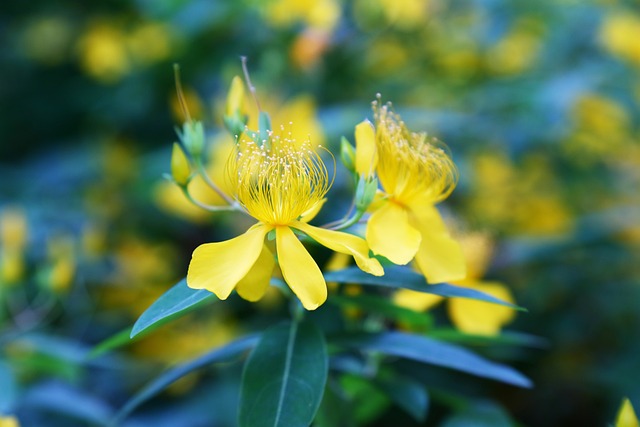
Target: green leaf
{"x":284,"y":377}
{"x":505,"y":338}
{"x":384,"y":307}
{"x":173,"y":302}
{"x":223,"y":354}
{"x":408,"y":394}
{"x":120,"y":339}
{"x":426,"y":350}
{"x":403,"y":277}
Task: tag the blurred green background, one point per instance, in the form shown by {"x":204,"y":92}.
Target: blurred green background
{"x":539,"y":103}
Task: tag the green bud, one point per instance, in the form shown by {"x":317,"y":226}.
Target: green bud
{"x":235,"y":124}
{"x":365,"y":192}
{"x":192,"y":137}
{"x":347,"y":154}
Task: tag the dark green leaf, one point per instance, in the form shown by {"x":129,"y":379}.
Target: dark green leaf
{"x":434,"y":352}
{"x":176,"y":300}
{"x":284,"y":377}
{"x":222,"y":354}
{"x":403,"y":277}
{"x":505,"y":338}
{"x":408,"y":394}
{"x":368,"y":403}
{"x":480,"y":414}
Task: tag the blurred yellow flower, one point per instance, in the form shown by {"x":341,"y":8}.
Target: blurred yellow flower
{"x":280,"y":183}
{"x":13,"y":239}
{"x":626,"y":415}
{"x":61,"y":267}
{"x":523,"y":199}
{"x":13,"y":228}
{"x":516,"y":51}
{"x":308,"y":48}
{"x":9,"y":421}
{"x":318,"y":14}
{"x":404,"y":15}
{"x":620,"y":33}
{"x":415,"y":174}
{"x":150,"y":42}
{"x":602,"y":129}
{"x":103,"y":53}
{"x":469,"y":316}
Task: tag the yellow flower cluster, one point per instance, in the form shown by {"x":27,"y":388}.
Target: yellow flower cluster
{"x":282,"y":182}
{"x":415,"y":173}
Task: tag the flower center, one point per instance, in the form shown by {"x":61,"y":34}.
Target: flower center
{"x":278,"y":179}
{"x":411,"y":164}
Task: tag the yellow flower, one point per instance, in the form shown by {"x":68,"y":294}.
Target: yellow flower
{"x":103,"y":53}
{"x":619,"y":35}
{"x":282,"y":184}
{"x":415,"y":174}
{"x":626,"y":416}
{"x":470,"y":316}
{"x":9,"y":421}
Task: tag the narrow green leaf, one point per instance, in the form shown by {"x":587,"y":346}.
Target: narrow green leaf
{"x":223,"y":354}
{"x":426,"y":350}
{"x":176,"y":300}
{"x":284,"y":377}
{"x":408,"y":394}
{"x":403,"y":277}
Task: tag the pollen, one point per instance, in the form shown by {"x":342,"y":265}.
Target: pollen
{"x":411,"y":164}
{"x":278,"y":179}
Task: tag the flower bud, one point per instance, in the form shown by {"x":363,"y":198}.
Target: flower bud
{"x":235,"y":98}
{"x":365,"y":192}
{"x":180,"y":168}
{"x":192,"y":137}
{"x":348,"y":154}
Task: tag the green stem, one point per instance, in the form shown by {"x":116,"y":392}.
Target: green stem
{"x":214,"y":187}
{"x":206,"y":207}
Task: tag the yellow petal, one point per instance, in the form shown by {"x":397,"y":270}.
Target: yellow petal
{"x":416,"y":301}
{"x":311,"y":213}
{"x":345,"y":243}
{"x":253,"y":286}
{"x":219,"y":266}
{"x":626,"y":416}
{"x":390,"y":234}
{"x":299,"y":269}
{"x":366,"y":153}
{"x":482,"y":318}
{"x":439,"y":257}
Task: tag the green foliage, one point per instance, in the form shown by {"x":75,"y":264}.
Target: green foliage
{"x":405,"y":278}
{"x":284,"y":377}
